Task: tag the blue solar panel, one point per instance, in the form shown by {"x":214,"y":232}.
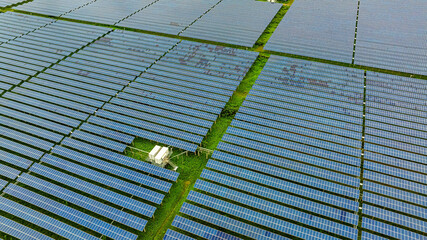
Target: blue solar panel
{"x":2,"y":183}
{"x":389,"y":230}
{"x":280,"y":172}
{"x":221,"y":24}
{"x":399,"y":46}
{"x":230,"y":224}
{"x":317,"y":29}
{"x":25,"y":138}
{"x":121,"y":159}
{"x":113,"y":12}
{"x":368,"y":236}
{"x":107,"y":133}
{"x":14,"y":159}
{"x":20,"y":231}
{"x":155,"y":119}
{"x":84,"y":202}
{"x":8,"y":172}
{"x":172,"y":235}
{"x":31,"y":129}
{"x":41,"y":113}
{"x":21,"y":149}
{"x":43,"y":220}
{"x":94,"y":190}
{"x":199,"y":229}
{"x":101,"y":178}
{"x":68,"y":213}
{"x":46,"y":87}
{"x":143,"y":134}
{"x":279,"y":196}
{"x":100,"y":141}
{"x":164,"y":112}
{"x":271,"y":208}
{"x":395,"y":193}
{"x":47,"y":106}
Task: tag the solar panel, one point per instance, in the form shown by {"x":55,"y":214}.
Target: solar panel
{"x":395,"y":156}
{"x":172,"y":235}
{"x":112,"y":11}
{"x":121,"y":159}
{"x":99,"y":192}
{"x":169,"y":17}
{"x":222,"y":24}
{"x":316,"y":29}
{"x":291,"y":159}
{"x":230,"y":224}
{"x":100,"y":141}
{"x":107,"y":133}
{"x":2,"y":183}
{"x":100,"y":178}
{"x":68,"y":213}
{"x":19,"y":231}
{"x":84,"y":202}
{"x":398,"y":46}
{"x":266,"y":206}
{"x":21,"y":23}
{"x":51,"y":7}
{"x":42,"y":220}
{"x":197,"y":229}
{"x":19,"y":148}
{"x":8,"y":172}
{"x":112,"y":168}
{"x":14,"y":159}
{"x":25,"y":138}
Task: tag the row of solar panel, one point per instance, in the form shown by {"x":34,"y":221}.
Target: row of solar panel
{"x":51,"y":110}
{"x":177,"y":17}
{"x":303,"y":119}
{"x":354,"y":38}
{"x":8,"y":3}
{"x":394,"y":166}
{"x":72,"y":84}
{"x":130,"y":200}
{"x":262,"y":205}
{"x":268,"y":165}
{"x":278,"y":161}
{"x":247,"y":165}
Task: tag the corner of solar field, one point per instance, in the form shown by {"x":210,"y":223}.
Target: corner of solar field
{"x":281,"y":126}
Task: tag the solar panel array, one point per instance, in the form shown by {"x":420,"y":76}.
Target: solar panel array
{"x":55,"y":82}
{"x":79,"y":80}
{"x":100,"y":187}
{"x":14,"y":25}
{"x":395,"y":157}
{"x":179,"y":98}
{"x":168,"y":16}
{"x":316,"y":151}
{"x":108,"y":11}
{"x":392,"y":36}
{"x":55,"y":8}
{"x":234,"y":22}
{"x":289,"y":165}
{"x":300,"y":159}
{"x":319,"y":29}
{"x":38,"y":46}
{"x":7,"y":3}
